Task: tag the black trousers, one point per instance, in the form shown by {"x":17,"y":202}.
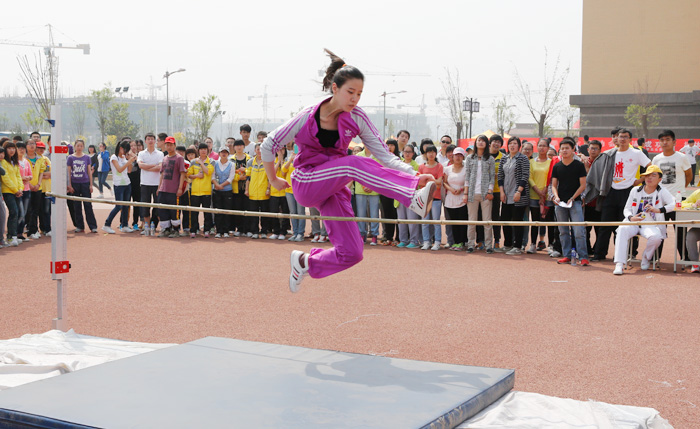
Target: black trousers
{"x":459,"y":232}
{"x":136,"y":197}
{"x":185,"y":215}
{"x":223,"y":200}
{"x":496,"y":215}
{"x":278,"y":205}
{"x":536,"y":216}
{"x":240,"y":223}
{"x":201,"y":201}
{"x":259,"y":225}
{"x":613,"y":211}
{"x":390,"y":230}
{"x":36,"y":206}
{"x":513,"y":234}
{"x":169,"y":215}
{"x":590,"y":214}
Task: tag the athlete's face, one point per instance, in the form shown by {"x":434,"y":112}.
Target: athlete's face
{"x":667,"y":143}
{"x":349,"y":94}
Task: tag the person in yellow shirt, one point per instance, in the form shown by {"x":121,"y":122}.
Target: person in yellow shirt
{"x":541,"y":206}
{"x":257,"y":189}
{"x":692,"y":238}
{"x":11,"y":187}
{"x":298,"y":225}
{"x":200,"y":172}
{"x":38,"y":165}
{"x":240,"y":201}
{"x":45,"y":215}
{"x":278,"y":200}
{"x":495,"y":144}
{"x":367,"y":197}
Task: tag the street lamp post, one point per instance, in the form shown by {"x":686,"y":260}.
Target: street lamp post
{"x":471,"y":106}
{"x":384,"y":95}
{"x":167,"y":95}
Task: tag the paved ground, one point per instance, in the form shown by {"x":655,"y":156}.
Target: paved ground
{"x":572,"y":332}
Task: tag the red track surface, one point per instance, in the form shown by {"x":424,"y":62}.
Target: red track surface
{"x":572,"y":332}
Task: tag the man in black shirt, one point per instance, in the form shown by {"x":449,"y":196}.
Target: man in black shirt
{"x":568,"y":182}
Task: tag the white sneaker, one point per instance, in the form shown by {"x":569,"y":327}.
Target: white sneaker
{"x":236,"y":234}
{"x":299,"y":238}
{"x":532,"y":249}
{"x":436,"y":246}
{"x":263,"y":235}
{"x":422,"y":200}
{"x":619,"y":269}
{"x":315,"y":239}
{"x":645,"y":263}
{"x":274,"y":237}
{"x":35,"y":236}
{"x":108,"y":229}
{"x":280,"y":237}
{"x":127,"y":229}
{"x":514,"y":251}
{"x":322,"y":239}
{"x":226,"y":235}
{"x":555,"y":254}
{"x":255,"y":236}
{"x":291,"y":238}
{"x":298,"y":272}
{"x":14,"y":242}
{"x":48,"y":234}
{"x":217,"y":236}
{"x":249,"y":235}
{"x":426,"y":246}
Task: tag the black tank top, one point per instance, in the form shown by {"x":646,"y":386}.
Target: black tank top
{"x":327,"y":138}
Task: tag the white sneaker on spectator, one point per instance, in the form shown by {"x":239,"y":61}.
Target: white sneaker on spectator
{"x":299,"y":238}
{"x":48,"y":234}
{"x":298,"y":272}
{"x":280,"y":237}
{"x":263,"y":235}
{"x":322,"y":239}
{"x":236,"y":234}
{"x":619,"y":269}
{"x":226,"y":235}
{"x":254,"y":236}
{"x":291,"y":238}
{"x":127,"y":229}
{"x":35,"y":236}
{"x":426,"y":246}
{"x":436,"y":246}
{"x":315,"y":239}
{"x":108,"y":229}
{"x":645,"y":263}
{"x":217,"y":235}
{"x":274,"y":237}
{"x":514,"y":251}
{"x":532,"y":249}
{"x":249,"y":235}
{"x":555,"y":254}
{"x":14,"y":242}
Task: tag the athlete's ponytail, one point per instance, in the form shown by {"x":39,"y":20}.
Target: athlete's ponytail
{"x":338,"y":72}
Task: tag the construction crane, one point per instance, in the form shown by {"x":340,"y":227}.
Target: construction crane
{"x":51,"y":59}
{"x":265,"y":96}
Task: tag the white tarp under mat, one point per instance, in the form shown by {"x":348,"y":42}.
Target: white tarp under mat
{"x":37,"y":356}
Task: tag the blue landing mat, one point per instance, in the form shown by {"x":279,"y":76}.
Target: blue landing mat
{"x":227,"y":383}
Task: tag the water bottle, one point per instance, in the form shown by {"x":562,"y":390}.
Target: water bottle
{"x":153,"y":228}
{"x":679,"y":199}
{"x":574,"y":256}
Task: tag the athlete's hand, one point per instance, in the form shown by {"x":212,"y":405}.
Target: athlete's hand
{"x":279,"y":183}
{"x":423,"y":179}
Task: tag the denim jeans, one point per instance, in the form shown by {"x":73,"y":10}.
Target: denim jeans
{"x":433,"y":215}
{"x":12,"y":212}
{"x":574,"y":214}
{"x":102,"y":180}
{"x":408,"y":233}
{"x":121,"y":193}
{"x":362,"y":202}
{"x":23,"y":209}
{"x":298,"y":225}
{"x":317,"y":226}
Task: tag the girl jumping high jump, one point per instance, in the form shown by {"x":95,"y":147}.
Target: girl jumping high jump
{"x":323,"y":170}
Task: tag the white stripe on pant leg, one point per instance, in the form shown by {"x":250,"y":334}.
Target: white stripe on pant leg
{"x":343,"y":171}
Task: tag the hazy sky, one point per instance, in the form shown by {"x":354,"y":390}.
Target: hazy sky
{"x":234,"y":49}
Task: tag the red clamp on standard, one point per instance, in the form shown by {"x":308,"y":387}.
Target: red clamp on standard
{"x":60,"y":267}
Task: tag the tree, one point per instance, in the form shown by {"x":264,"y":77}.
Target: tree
{"x":571,"y":115}
{"x":33,"y":120}
{"x":118,"y":122}
{"x":504,"y":116}
{"x":204,"y":113}
{"x":79,"y":108}
{"x":99,"y":104}
{"x":642,"y":115}
{"x":542,"y":104}
{"x":453,"y":93}
{"x":4,"y":122}
{"x":41,"y":81}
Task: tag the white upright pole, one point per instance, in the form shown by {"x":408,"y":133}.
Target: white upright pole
{"x":59,"y":260}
